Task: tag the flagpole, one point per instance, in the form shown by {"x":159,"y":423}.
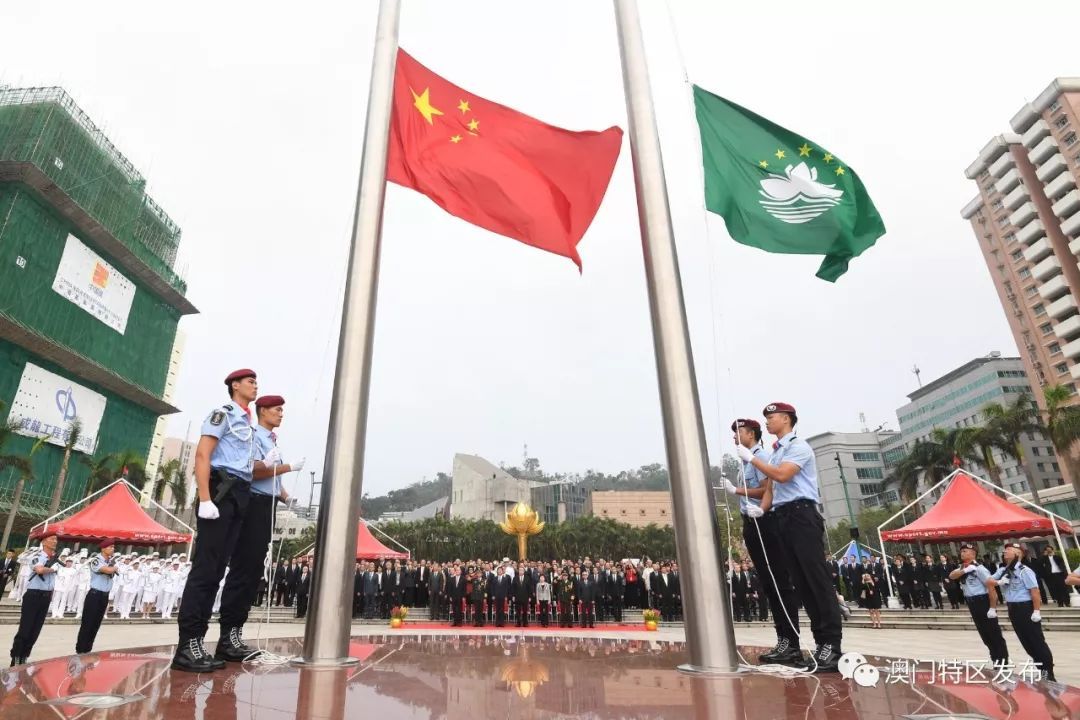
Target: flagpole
{"x":710,"y":633}
{"x":329,"y":619}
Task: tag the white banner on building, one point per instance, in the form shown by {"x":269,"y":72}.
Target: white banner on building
{"x":46,"y":403}
{"x":85,"y":279}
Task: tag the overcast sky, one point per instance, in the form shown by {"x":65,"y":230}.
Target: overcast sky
{"x":247,"y":119}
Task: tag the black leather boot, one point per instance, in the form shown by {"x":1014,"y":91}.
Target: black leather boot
{"x":191,"y":656}
{"x":231,"y":646}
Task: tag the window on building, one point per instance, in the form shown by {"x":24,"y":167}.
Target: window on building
{"x":1061,"y":368}
{"x":1046,"y":328}
{"x":1069,"y":139}
{"x":1016,"y":255}
{"x":1036,"y":451}
{"x":1030,"y":291}
{"x":1042,"y":467}
{"x":870,"y":473}
{"x":1056,"y":467}
{"x":1054,"y":106}
{"x":1024,"y":274}
{"x":867,"y":457}
{"x":1054,"y":348}
{"x":1061,"y":121}
{"x":997,"y":204}
{"x":1039,"y":309}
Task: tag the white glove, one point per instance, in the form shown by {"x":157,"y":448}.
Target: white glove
{"x":744,"y":454}
{"x":729,"y":487}
{"x":1036,"y":616}
{"x":969,"y":569}
{"x":272,"y":458}
{"x":298,"y":465}
{"x":991,"y":613}
{"x":754,"y":511}
{"x":208,"y":510}
{"x":1003,"y":581}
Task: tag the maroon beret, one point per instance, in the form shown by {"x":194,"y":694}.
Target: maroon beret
{"x":266,"y":401}
{"x":106,"y":543}
{"x":746,"y":423}
{"x":778,"y":407}
{"x":239,"y":375}
{"x":48,"y":532}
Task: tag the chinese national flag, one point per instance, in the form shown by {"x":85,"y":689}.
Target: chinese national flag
{"x":495,"y":167}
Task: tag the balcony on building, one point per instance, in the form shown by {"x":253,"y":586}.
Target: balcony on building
{"x":1074,"y":372}
{"x":1074,"y":246}
{"x":1003,"y":163}
{"x":1067,"y":205}
{"x":1071,"y":227}
{"x":1054,"y":288}
{"x":1071,"y":350}
{"x":1008,"y":181}
{"x":1060,"y":185}
{"x":1037,"y":251}
{"x":1051,"y":168}
{"x":1047,"y":269}
{"x":1046,"y":147}
{"x":1022,"y":215}
{"x":1031,"y":232}
{"x":1062,"y":307}
{"x":1016,"y":197}
{"x":1035,"y":134}
{"x":1068,"y":329}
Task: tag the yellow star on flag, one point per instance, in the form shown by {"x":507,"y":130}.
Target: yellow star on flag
{"x":423,"y":103}
{"x":828,"y":157}
{"x":779,"y":154}
{"x":455,"y":139}
{"x":463,"y":106}
{"x":839,"y":171}
{"x":473,"y":124}
{"x":804,"y":151}
{"x":764,"y":163}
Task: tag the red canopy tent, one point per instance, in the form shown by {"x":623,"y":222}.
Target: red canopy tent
{"x":114,"y":515}
{"x":368,"y":548}
{"x":968,"y":511}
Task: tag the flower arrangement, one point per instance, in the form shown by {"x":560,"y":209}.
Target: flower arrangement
{"x":651,"y":615}
{"x":398,"y":615}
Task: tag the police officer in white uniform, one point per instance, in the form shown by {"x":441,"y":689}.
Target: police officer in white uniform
{"x":795,"y":500}
{"x":981,"y":603}
{"x":1020,"y":586}
{"x":223,"y":462}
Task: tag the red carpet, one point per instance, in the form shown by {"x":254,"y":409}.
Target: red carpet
{"x":512,"y":628}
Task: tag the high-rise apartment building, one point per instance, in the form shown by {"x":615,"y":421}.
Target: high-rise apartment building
{"x":1026,"y":218}
{"x":852,"y":470}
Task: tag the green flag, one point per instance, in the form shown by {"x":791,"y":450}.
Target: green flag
{"x":780,"y":192}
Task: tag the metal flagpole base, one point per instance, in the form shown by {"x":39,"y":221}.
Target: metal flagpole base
{"x":893,"y":603}
{"x":699,"y":671}
{"x":1074,"y":599}
{"x":328,"y":664}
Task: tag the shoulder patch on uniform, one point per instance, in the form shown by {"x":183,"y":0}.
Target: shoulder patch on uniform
{"x":217,"y":417}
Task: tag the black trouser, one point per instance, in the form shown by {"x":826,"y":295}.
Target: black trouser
{"x":545,"y":611}
{"x":93,"y":612}
{"x":1031,"y":636}
{"x":371,"y":605}
{"x":801,"y":530}
{"x":478,"y":613}
{"x":215,"y":541}
{"x":35,"y":606}
{"x":433,"y":607}
{"x":936,"y":595}
{"x":566,"y":614}
{"x":616,"y":607}
{"x":247,"y":561}
{"x":457,"y":611}
{"x":521,"y":613}
{"x":588,"y":614}
{"x":1055,"y":582}
{"x":741,"y":607}
{"x":301,"y":604}
{"x":500,"y":611}
{"x":279,"y":594}
{"x":410,"y":596}
{"x":763,"y":545}
{"x":989,"y":628}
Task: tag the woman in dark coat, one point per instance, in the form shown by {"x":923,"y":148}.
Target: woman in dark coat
{"x":871,"y":597}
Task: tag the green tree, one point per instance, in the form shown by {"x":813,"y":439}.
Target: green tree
{"x":74,"y":433}
{"x":171,"y":477}
{"x":1063,"y":427}
{"x":23,"y":467}
{"x":1010,"y":423}
{"x":130,"y":465}
{"x":101,"y":472}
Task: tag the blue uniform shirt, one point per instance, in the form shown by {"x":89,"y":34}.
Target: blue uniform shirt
{"x":265,"y":441}
{"x":804,"y":484}
{"x":754,"y":478}
{"x":41,"y":582}
{"x":1022,"y":581}
{"x":974,"y":583}
{"x":99,"y":580}
{"x":235,"y":451}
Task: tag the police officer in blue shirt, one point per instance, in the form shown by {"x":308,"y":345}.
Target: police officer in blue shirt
{"x":246,"y":565}
{"x":763,"y":545}
{"x":224,"y":459}
{"x":981,"y":603}
{"x":801,"y":530}
{"x":1020,"y":587}
{"x":102,"y":569}
{"x":35,"y":602}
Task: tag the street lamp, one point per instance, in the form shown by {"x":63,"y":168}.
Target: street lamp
{"x":847,"y":497}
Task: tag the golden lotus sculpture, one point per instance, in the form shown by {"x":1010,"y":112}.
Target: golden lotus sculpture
{"x":522,"y":521}
{"x":524,"y":674}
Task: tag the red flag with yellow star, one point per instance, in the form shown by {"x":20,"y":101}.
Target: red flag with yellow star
{"x":495,"y":167}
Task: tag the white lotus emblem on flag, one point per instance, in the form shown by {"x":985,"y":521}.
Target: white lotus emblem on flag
{"x":797,"y":196}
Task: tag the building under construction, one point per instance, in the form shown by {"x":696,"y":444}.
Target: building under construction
{"x":89,"y":299}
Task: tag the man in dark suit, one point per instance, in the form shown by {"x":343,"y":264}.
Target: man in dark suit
{"x":423,"y":575}
{"x":455,"y":591}
{"x":9,"y":567}
{"x":408,"y":585}
{"x":302,"y":587}
{"x":358,"y":590}
{"x":586,"y":593}
{"x":663,"y":587}
{"x":279,"y":580}
{"x":433,"y":590}
{"x":740,"y":592}
{"x":1051,"y":570}
{"x":371,"y":591}
{"x":499,"y":595}
{"x":386,"y":590}
{"x":522,"y":592}
{"x":292,"y":578}
{"x":834,"y":571}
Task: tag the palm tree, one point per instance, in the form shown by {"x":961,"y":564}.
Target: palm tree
{"x":23,"y":466}
{"x":1010,"y":423}
{"x":101,"y":472}
{"x":1063,"y":427}
{"x":74,"y":433}
{"x":129,"y":465}
{"x":171,"y":477}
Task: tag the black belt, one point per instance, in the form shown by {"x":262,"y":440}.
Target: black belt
{"x":30,"y":590}
{"x":227,"y":480}
{"x":95,"y":590}
{"x":794,"y":505}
